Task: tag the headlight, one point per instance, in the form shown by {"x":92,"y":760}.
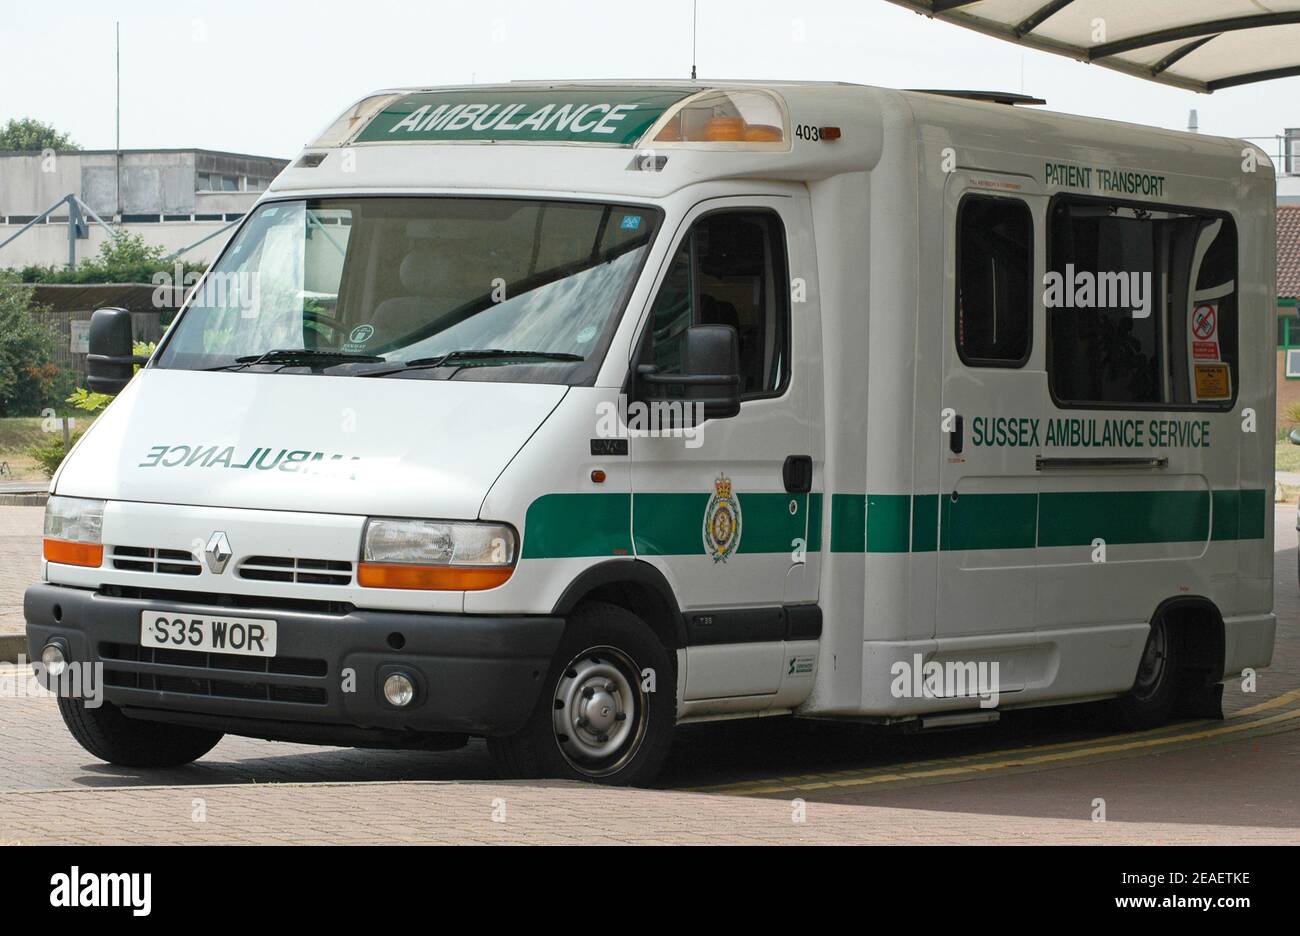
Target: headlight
{"x":74,"y":531}
{"x":436,"y":554}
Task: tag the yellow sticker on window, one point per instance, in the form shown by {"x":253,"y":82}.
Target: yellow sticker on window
{"x":1213,"y":382}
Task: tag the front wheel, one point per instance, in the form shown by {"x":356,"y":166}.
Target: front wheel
{"x":111,"y":736}
{"x":1155,"y":690}
{"x":606,"y":713}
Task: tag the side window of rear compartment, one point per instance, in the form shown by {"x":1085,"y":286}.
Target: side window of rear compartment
{"x":1141,"y":305}
{"x":730,"y":269}
{"x":995,"y":269}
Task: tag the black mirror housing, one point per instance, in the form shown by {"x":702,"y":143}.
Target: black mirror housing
{"x":110,"y":363}
{"x":711,"y":354}
{"x":710,"y":372}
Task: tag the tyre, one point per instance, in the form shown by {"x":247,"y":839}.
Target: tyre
{"x":601,"y":717}
{"x":1155,"y":690}
{"x":128,"y":742}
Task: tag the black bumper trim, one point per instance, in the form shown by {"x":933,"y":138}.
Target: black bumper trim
{"x":480,"y":674}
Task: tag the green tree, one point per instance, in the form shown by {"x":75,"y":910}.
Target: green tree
{"x":29,"y":378}
{"x":123,"y":259}
{"x":27,"y":134}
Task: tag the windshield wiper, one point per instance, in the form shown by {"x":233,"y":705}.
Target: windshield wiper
{"x":291,"y":356}
{"x":472,"y":354}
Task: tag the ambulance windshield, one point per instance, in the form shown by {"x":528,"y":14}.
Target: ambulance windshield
{"x":342,"y":286}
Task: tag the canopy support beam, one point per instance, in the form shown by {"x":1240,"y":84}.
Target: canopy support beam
{"x":1179,"y":52}
{"x":1040,"y":16}
{"x":1191,"y":31}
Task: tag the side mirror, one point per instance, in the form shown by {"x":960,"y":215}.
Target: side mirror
{"x":110,"y":363}
{"x":1294,"y":436}
{"x":710,"y":372}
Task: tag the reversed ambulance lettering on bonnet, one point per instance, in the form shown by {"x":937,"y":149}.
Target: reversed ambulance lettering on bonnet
{"x":615,"y":116}
{"x":261,"y":458}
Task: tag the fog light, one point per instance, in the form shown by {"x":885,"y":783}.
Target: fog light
{"x":399,"y":690}
{"x":53,"y":659}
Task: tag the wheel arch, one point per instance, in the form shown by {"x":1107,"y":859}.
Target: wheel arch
{"x":634,"y":585}
{"x":1198,"y":626}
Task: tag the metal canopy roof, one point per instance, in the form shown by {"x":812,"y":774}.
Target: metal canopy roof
{"x":1202,"y":45}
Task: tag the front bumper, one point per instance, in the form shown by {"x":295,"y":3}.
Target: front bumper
{"x":478,"y":675}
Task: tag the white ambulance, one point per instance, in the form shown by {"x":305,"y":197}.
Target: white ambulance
{"x":564,"y":414}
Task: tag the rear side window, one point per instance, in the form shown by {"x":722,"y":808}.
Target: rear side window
{"x":995,"y":269}
{"x":1141,"y":305}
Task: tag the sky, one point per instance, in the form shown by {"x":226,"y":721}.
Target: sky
{"x":264,"y":77}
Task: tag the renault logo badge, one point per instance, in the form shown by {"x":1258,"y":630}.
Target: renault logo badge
{"x":217,"y":553}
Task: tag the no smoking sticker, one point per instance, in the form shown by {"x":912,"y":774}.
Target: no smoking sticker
{"x":1203,"y":322}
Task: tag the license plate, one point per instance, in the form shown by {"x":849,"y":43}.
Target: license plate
{"x":207,"y":634}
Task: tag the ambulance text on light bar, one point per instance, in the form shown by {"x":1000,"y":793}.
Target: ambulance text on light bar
{"x":599,"y":116}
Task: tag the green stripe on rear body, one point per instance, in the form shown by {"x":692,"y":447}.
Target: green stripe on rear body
{"x":568,"y":525}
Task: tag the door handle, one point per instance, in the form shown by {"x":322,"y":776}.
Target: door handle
{"x":956,"y":438}
{"x":797,"y":474}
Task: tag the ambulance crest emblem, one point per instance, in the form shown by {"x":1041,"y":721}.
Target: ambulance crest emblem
{"x":722,"y":521}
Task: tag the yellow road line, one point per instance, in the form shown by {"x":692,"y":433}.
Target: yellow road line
{"x":865,"y":779}
{"x":984,"y":761}
{"x":1283,"y":699}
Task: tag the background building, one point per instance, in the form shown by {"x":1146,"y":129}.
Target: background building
{"x":173,"y":198}
{"x":1288,"y":319}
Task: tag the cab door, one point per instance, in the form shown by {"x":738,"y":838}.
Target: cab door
{"x":723,"y":513}
{"x":987,"y":510}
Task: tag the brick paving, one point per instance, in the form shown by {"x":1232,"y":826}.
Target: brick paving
{"x":537,"y":813}
{"x":20,"y":562}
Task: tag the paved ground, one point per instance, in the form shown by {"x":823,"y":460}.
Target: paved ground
{"x":20,"y":561}
{"x":1039,"y":776}
{"x":544,"y":813}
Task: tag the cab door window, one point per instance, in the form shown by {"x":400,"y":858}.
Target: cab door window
{"x":730,"y":269}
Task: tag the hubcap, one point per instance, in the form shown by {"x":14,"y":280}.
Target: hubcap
{"x":1151,"y":670}
{"x":600,"y":712}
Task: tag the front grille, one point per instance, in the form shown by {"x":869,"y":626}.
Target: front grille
{"x":220,"y":675}
{"x":255,"y":603}
{"x":301,"y":571}
{"x":161,"y":561}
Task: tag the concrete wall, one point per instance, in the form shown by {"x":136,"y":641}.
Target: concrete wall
{"x":152,"y":183}
{"x":47,"y":244}
{"x":30,"y":184}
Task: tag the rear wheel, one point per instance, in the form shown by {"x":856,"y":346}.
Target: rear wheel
{"x":606,"y":713}
{"x":1155,"y":690}
{"x":111,"y":736}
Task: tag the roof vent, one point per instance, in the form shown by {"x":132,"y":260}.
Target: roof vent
{"x":990,"y":97}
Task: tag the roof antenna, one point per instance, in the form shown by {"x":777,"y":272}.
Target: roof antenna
{"x":695,"y":9}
